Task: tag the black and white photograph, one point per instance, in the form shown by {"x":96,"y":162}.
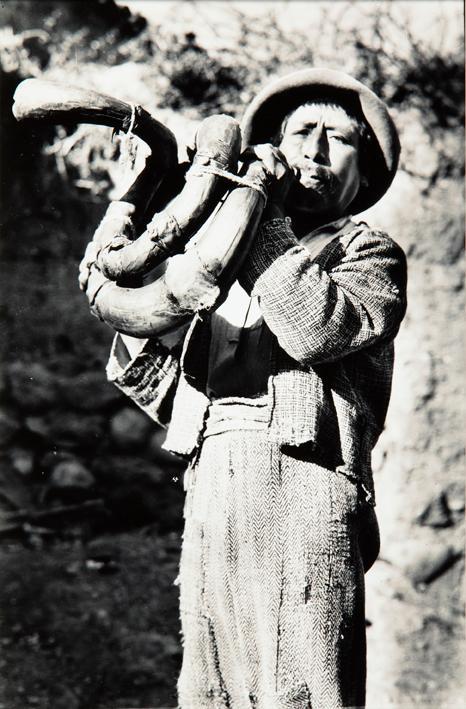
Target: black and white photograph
{"x":232,"y":470}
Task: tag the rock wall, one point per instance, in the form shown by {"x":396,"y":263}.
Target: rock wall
{"x":415,"y":594}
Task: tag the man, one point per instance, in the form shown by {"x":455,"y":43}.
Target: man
{"x":280,"y":397}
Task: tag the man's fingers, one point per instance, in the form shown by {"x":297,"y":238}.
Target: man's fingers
{"x":270,"y":157}
{"x":83,"y":276}
{"x":86,"y":264}
{"x":263,"y":152}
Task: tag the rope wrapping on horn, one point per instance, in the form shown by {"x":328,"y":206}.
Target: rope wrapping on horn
{"x":127,"y":147}
{"x":203,"y":169}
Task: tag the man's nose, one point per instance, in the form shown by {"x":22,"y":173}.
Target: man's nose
{"x":316,"y":147}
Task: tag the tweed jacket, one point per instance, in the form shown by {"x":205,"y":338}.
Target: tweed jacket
{"x":333,"y":319}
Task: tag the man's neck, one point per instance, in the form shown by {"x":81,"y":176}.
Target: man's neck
{"x":304,"y":223}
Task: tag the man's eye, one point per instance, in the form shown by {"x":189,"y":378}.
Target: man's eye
{"x":338,"y":137}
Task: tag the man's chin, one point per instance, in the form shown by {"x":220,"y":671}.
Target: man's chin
{"x":311,"y":200}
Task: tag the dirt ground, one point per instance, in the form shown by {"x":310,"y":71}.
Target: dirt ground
{"x":91,"y":626}
{"x":94,"y":625}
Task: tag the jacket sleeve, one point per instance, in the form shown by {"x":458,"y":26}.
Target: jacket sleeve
{"x":320,"y":313}
{"x":149,"y":378}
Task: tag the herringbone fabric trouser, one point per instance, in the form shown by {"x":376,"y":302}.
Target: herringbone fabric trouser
{"x":271,"y":581}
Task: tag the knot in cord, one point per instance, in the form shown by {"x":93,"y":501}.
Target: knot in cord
{"x":128,"y":147}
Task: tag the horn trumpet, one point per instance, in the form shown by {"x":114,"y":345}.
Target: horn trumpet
{"x":197,"y":261}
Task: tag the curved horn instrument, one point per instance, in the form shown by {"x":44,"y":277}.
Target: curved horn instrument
{"x":54,"y":103}
{"x":194,"y":280}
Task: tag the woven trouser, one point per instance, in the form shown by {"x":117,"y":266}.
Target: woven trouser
{"x":271,"y":581}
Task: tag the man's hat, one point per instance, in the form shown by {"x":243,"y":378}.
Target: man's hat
{"x":264,"y":115}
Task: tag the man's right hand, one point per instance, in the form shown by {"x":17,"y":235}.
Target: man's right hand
{"x":279,"y":177}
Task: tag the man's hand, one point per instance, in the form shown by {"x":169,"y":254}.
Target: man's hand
{"x":91,"y":279}
{"x":280,"y":174}
{"x":89,"y":258}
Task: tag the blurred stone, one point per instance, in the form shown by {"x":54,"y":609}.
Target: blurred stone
{"x":89,"y":391}
{"x":129,"y":429}
{"x":99,"y":617}
{"x":70,"y":429}
{"x":102,"y":555}
{"x":9,"y":425}
{"x":64,"y":361}
{"x":103,"y":567}
{"x":37,"y":425}
{"x":73,"y":569}
{"x":22,"y":459}
{"x":421,"y":560}
{"x":52,"y":457}
{"x":436,"y":514}
{"x":422,"y":383}
{"x":66,"y":699}
{"x":153,"y":644}
{"x":454,"y":494}
{"x":172,"y":542}
{"x":427,"y":565}
{"x":121,"y":470}
{"x":14,"y":494}
{"x":32,"y":386}
{"x":71,"y":474}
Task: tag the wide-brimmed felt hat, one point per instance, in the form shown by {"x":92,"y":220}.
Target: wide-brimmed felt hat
{"x":379,"y":159}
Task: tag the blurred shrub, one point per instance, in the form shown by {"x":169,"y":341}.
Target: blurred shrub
{"x":419,"y":76}
{"x":195,"y":77}
{"x":76,"y":30}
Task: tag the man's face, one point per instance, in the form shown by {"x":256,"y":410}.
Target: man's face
{"x":322,"y":142}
